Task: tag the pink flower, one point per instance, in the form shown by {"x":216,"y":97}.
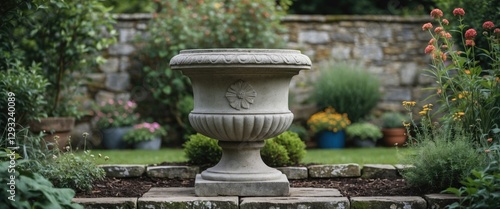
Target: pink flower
{"x":446,"y":22}
{"x":429,"y":49}
{"x":130,"y":104}
{"x":438,"y":29}
{"x":436,"y":13}
{"x":470,"y":34}
{"x":497,"y":31}
{"x":470,"y":42}
{"x":447,"y":35}
{"x":427,"y":26}
{"x":147,"y":125}
{"x":458,"y":11}
{"x":156,"y":125}
{"x":488,"y":25}
{"x":110,"y":101}
{"x":152,"y":130}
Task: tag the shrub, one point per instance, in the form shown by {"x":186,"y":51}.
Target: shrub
{"x":202,"y":150}
{"x":364,"y":130}
{"x":347,"y":88}
{"x":441,"y":161}
{"x":32,"y":190}
{"x":284,"y":149}
{"x":393,"y":119}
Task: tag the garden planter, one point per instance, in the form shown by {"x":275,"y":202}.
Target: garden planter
{"x":112,"y":138}
{"x":331,"y":140}
{"x":394,"y":136}
{"x":54,"y":126}
{"x":240,"y":99}
{"x":154,"y":144}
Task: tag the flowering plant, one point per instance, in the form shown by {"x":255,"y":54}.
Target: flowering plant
{"x":144,"y":132}
{"x":115,"y":113}
{"x":328,"y":119}
{"x":468,"y":88}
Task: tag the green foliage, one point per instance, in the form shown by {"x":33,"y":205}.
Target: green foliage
{"x":364,"y":130}
{"x":347,"y":88}
{"x":28,"y":88}
{"x":284,"y":149}
{"x":32,"y":190}
{"x":393,"y":119}
{"x":362,"y":7}
{"x":202,"y":150}
{"x":188,"y":24}
{"x":115,"y":113}
{"x":300,"y":130}
{"x":120,"y":6}
{"x":292,"y":153}
{"x":144,"y":132}
{"x":480,"y":190}
{"x":67,"y":37}
{"x":441,"y":159}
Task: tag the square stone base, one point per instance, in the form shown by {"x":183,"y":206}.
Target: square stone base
{"x":208,"y":188}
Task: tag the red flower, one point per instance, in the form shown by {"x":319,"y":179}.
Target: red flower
{"x":458,"y":11}
{"x":427,"y":26}
{"x":438,"y":29}
{"x":497,"y":31}
{"x":445,"y":22}
{"x":447,"y":35}
{"x":470,"y":34}
{"x":431,"y":42}
{"x":470,"y":42}
{"x":429,"y":49}
{"x":436,"y":13}
{"x":488,"y":25}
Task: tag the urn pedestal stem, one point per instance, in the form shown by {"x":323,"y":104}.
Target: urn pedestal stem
{"x":241,"y":99}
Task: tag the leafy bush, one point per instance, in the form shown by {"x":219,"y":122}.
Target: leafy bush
{"x":28,"y":87}
{"x":393,"y":119}
{"x":364,"y":130}
{"x":480,"y":190}
{"x":347,"y":88}
{"x":284,"y":149}
{"x":31,"y":190}
{"x":441,"y":161}
{"x":202,"y":150}
{"x":181,"y":25}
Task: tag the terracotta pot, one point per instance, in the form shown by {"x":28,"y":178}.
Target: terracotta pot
{"x":394,"y":136}
{"x":54,"y":126}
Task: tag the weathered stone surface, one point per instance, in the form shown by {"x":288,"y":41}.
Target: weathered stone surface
{"x":409,"y":74}
{"x":294,"y":172}
{"x":118,"y":81}
{"x":121,"y":49}
{"x":182,"y":197}
{"x":126,"y":35}
{"x":341,"y":52}
{"x":294,"y":202}
{"x":437,"y":201}
{"x":103,"y":96}
{"x":382,"y":171}
{"x":334,"y":170}
{"x":314,"y":192}
{"x":96,"y":79}
{"x":368,"y":52}
{"x":397,"y":94}
{"x":183,"y":172}
{"x":121,"y":171}
{"x":107,"y":202}
{"x":206,"y":188}
{"x":313,"y":37}
{"x":110,"y":66}
{"x":383,"y":202}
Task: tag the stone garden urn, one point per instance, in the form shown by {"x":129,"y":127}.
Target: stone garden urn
{"x":241,"y":99}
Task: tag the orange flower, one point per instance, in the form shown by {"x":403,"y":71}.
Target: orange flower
{"x":467,"y":72}
{"x":427,"y":26}
{"x":429,"y":49}
{"x":470,"y":43}
{"x":438,"y":29}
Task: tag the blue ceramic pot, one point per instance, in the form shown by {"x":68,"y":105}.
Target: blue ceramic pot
{"x":154,"y":144}
{"x":331,"y":140}
{"x":112,"y":138}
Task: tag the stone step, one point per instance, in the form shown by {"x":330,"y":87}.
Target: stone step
{"x":182,"y":172}
{"x":124,"y":171}
{"x":413,"y":202}
{"x":436,"y":201}
{"x":379,"y":171}
{"x":334,"y":170}
{"x":294,"y":172}
{"x":107,"y":202}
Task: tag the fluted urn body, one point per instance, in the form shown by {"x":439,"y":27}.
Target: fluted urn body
{"x":240,"y":99}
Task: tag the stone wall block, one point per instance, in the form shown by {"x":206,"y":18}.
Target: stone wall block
{"x":117,"y":81}
{"x":334,"y":170}
{"x":110,"y":66}
{"x":183,"y":172}
{"x":314,"y":37}
{"x":121,"y":49}
{"x":123,"y":171}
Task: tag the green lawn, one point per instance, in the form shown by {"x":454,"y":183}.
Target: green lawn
{"x":319,"y":156}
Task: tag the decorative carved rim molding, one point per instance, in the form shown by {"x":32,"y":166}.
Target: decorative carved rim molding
{"x":196,"y":57}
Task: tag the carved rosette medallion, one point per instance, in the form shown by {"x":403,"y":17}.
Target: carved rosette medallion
{"x":240,"y":95}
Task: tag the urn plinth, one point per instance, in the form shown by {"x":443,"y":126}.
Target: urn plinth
{"x":240,"y":99}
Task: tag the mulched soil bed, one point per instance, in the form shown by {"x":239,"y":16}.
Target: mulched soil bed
{"x":136,"y":187}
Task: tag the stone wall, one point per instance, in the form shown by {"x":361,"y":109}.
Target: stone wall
{"x":390,"y":47}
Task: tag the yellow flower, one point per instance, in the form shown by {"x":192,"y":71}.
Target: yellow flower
{"x":328,"y":119}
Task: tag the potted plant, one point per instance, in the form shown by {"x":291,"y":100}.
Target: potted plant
{"x":115,"y":118}
{"x":329,"y":128}
{"x":363,"y":134}
{"x":393,"y":128}
{"x":145,"y":136}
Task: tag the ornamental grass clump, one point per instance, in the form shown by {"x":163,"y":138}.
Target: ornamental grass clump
{"x":328,"y":120}
{"x":145,"y":132}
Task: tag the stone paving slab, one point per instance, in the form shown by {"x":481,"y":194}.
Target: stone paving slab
{"x":294,"y":172}
{"x":124,"y":171}
{"x":278,"y":187}
{"x":379,"y":171}
{"x":183,"y":172}
{"x":391,"y":202}
{"x":437,"y":201}
{"x":334,"y":170}
{"x":294,"y":202}
{"x":183,"y":197}
{"x":108,"y":202}
{"x":314,"y":192}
